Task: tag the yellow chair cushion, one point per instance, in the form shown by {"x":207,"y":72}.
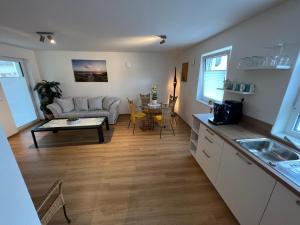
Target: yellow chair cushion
{"x":139,"y":115}
{"x":157,"y":118}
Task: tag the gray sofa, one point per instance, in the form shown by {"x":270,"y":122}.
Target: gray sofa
{"x":86,"y":107}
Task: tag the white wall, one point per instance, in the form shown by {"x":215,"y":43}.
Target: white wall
{"x":16,"y":206}
{"x":279,"y":24}
{"x":144,"y":70}
{"x":7,"y":51}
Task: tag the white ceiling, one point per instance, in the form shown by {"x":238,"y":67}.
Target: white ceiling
{"x":121,"y":25}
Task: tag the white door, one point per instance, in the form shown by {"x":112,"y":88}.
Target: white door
{"x":6,"y":119}
{"x":245,"y":187}
{"x":16,"y":92}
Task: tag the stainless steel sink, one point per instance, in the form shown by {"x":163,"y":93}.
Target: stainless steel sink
{"x":268,"y":150}
{"x":283,"y":159}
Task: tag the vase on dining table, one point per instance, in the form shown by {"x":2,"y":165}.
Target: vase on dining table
{"x":154,"y":94}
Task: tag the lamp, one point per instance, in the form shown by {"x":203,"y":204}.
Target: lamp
{"x":174,"y":83}
{"x":49,"y":36}
{"x":163,"y":38}
{"x":42,"y":38}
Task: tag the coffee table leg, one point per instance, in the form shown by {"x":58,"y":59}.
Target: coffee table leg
{"x":34,"y":139}
{"x":107,"y":124}
{"x":100,"y":134}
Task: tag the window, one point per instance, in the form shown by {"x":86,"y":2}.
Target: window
{"x":287,"y":123}
{"x":293,"y":124}
{"x":296,"y":128}
{"x":10,"y":69}
{"x":212,"y":75}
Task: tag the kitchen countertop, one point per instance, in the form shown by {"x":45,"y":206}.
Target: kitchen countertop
{"x":239,"y":131}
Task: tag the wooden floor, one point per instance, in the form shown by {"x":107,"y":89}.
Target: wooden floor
{"x":130,"y":180}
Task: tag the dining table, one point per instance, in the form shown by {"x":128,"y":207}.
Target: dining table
{"x":150,"y":110}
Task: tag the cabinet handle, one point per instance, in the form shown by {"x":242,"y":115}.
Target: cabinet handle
{"x":205,"y":153}
{"x":243,"y":158}
{"x":210,"y":141}
{"x":298,"y":202}
{"x":210,"y":132}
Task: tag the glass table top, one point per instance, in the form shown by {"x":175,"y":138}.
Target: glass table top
{"x":81,"y":122}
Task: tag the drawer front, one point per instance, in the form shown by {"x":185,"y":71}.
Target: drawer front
{"x":212,"y":136}
{"x":213,"y":148}
{"x":208,"y":156}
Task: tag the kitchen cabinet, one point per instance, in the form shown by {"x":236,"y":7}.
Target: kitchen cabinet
{"x":283,"y":208}
{"x":244,"y":186}
{"x":209,"y":151}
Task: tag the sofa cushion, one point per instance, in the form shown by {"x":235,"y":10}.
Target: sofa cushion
{"x":66,"y":104}
{"x":81,"y":103}
{"x":96,"y":113}
{"x":108,"y":101}
{"x":55,"y":108}
{"x":95,"y":103}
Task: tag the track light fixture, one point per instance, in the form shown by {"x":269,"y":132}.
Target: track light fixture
{"x":48,"y":35}
{"x":163,"y":39}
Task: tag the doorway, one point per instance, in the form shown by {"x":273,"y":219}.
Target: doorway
{"x":16,"y":92}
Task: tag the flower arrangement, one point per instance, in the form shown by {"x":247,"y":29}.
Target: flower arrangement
{"x":154,"y":93}
{"x":72,"y":119}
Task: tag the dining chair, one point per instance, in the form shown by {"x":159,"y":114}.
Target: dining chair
{"x":165,"y":119}
{"x":145,"y":99}
{"x":52,"y":202}
{"x":172,"y":103}
{"x":134,"y":115}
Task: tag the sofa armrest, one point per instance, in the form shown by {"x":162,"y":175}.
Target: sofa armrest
{"x":55,"y":109}
{"x":114,"y":112}
{"x":115,"y":106}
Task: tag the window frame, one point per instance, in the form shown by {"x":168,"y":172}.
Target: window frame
{"x":294,"y":117}
{"x":200,"y":88}
{"x":20,"y":63}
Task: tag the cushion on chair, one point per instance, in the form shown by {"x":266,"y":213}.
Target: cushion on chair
{"x":95,"y":103}
{"x":139,"y":115}
{"x":66,"y":104}
{"x":157,"y":118}
{"x":81,"y":103}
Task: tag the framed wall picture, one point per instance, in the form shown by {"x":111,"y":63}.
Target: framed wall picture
{"x":89,"y":70}
{"x":184,"y":72}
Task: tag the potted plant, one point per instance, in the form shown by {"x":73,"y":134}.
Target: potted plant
{"x":154,"y":94}
{"x":47,"y":91}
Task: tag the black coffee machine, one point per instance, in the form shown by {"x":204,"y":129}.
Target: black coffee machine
{"x":228,"y":112}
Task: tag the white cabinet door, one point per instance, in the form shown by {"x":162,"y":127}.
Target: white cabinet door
{"x":245,"y":187}
{"x":283,"y":208}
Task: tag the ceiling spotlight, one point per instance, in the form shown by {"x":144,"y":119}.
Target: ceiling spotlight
{"x":51,"y":40}
{"x":42,"y":38}
{"x":49,"y":36}
{"x":163,"y":39}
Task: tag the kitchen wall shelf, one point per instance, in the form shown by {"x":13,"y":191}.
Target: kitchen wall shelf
{"x":265,"y":68}
{"x":237,"y":92}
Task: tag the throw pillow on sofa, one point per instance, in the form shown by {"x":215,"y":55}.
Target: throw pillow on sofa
{"x":81,"y":104}
{"x":95,"y":103}
{"x":108,"y":101}
{"x":66,"y":104}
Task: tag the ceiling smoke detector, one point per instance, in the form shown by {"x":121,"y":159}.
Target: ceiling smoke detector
{"x":48,"y":35}
{"x":163,"y":39}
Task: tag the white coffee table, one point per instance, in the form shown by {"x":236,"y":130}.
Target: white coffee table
{"x":55,"y":125}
